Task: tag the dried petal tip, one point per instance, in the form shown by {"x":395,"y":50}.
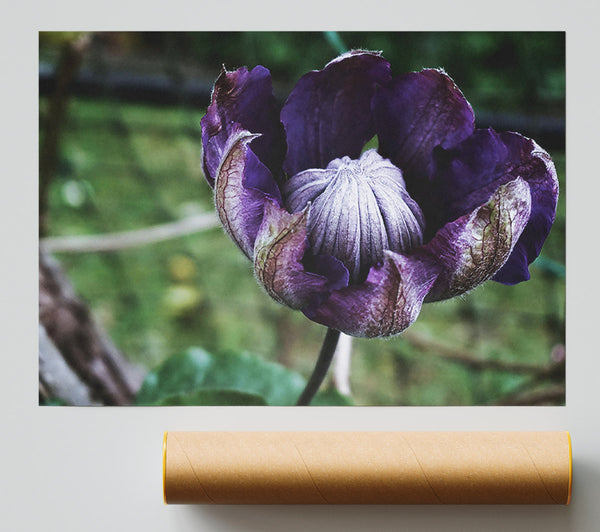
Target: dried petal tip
{"x":359,"y":209}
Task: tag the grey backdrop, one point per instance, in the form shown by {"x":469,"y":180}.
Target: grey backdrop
{"x":96,"y":469}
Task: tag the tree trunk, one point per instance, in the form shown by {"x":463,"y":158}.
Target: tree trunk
{"x":92,"y":370}
{"x":70,"y":60}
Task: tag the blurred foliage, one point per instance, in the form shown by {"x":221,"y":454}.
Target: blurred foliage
{"x":195,"y":377}
{"x":128,"y":166}
{"x":520,"y":71}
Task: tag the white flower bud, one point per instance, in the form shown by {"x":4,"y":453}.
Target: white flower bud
{"x":359,"y":208}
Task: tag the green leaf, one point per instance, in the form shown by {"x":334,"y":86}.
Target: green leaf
{"x":179,"y":374}
{"x":213,"y":398}
{"x":196,"y":369}
{"x":55,"y":401}
{"x":331,"y":397}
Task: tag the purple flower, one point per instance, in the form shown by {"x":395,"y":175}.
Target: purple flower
{"x":358,"y":241}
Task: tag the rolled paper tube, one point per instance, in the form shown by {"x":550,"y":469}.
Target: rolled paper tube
{"x":367,"y":467}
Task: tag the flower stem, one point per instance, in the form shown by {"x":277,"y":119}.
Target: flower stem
{"x":321,"y":367}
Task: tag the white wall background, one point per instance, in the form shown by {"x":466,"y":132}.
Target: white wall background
{"x":98,"y":469}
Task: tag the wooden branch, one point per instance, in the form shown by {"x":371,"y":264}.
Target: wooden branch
{"x":93,"y":360}
{"x":523,"y":395}
{"x":69,"y":63}
{"x":479,"y":363}
{"x":130,"y":239}
{"x":551,"y":395}
{"x":57,"y":379}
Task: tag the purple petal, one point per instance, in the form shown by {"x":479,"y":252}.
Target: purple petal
{"x":358,"y":209}
{"x":242,"y":186}
{"x":328,"y":114}
{"x":280,"y":246}
{"x":474,"y":247}
{"x":543,"y":183}
{"x":385,"y":304}
{"x":328,"y":266}
{"x":415,"y":113}
{"x":244,"y":99}
{"x":468,"y":174}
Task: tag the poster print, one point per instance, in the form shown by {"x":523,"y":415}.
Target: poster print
{"x":394,"y":236}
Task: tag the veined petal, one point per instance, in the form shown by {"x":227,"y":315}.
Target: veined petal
{"x":415,"y":113}
{"x":468,"y":174}
{"x":308,"y":185}
{"x":359,"y":208}
{"x":243,"y":99}
{"x":278,"y":252}
{"x":474,"y":247}
{"x":387,"y":303}
{"x":243,"y":185}
{"x":328,"y":114}
{"x":543,"y":183}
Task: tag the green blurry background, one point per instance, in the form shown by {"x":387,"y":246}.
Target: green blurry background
{"x":129,"y":158}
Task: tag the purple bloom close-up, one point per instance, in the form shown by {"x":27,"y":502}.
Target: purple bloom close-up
{"x":359,"y":239}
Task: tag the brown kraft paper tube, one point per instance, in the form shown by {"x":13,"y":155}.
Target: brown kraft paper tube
{"x":367,"y":467}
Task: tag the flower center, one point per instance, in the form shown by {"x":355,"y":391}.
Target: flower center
{"x":359,"y":208}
